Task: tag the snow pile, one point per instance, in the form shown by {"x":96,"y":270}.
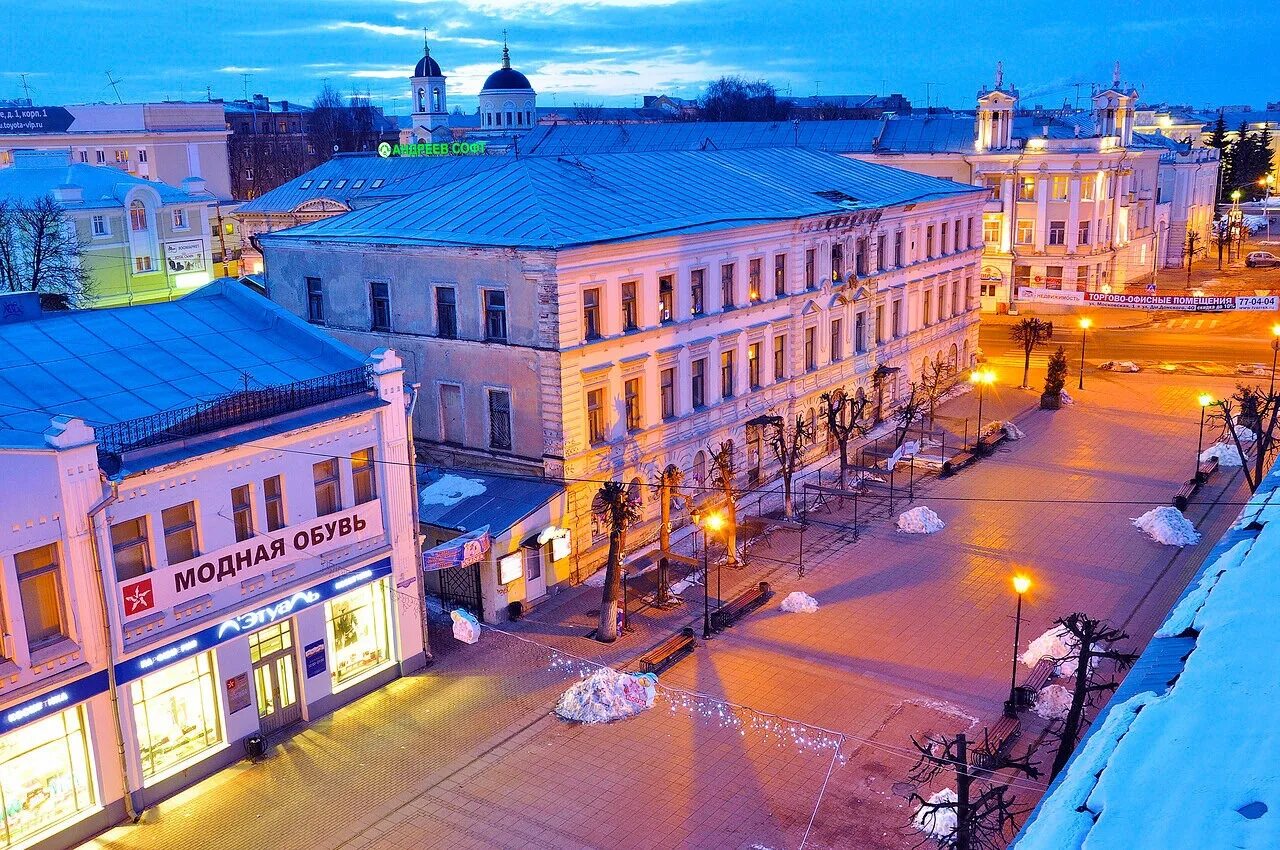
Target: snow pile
{"x":1167,"y":525}
{"x":1065,"y":397}
{"x":1226,"y":454}
{"x":466,"y":628}
{"x":1057,"y":644}
{"x":799,"y":602}
{"x":1013,"y":432}
{"x":1053,"y":702}
{"x":1119,"y":366}
{"x":920,"y":520}
{"x":940,"y":823}
{"x":1183,"y":616}
{"x":449,"y":489}
{"x":1245,"y":433}
{"x":607,"y":695}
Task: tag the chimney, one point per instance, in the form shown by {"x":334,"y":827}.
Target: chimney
{"x":284,"y":106}
{"x":260,"y":102}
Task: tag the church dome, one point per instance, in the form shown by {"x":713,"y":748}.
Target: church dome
{"x":427,"y":67}
{"x":507,"y":78}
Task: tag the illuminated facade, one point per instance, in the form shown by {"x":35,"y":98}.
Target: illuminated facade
{"x":254,"y":553}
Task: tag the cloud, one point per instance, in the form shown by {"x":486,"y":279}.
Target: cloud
{"x":670,"y":71}
{"x":513,"y":9}
{"x":238,"y":69}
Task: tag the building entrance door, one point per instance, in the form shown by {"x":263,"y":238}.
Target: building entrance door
{"x":535,"y":581}
{"x":275,"y":676}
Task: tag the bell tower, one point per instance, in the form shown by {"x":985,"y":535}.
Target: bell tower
{"x":996,"y":108}
{"x":427,"y":94}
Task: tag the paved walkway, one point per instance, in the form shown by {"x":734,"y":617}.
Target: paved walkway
{"x":912,"y":637}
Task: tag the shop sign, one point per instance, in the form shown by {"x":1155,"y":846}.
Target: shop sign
{"x":237,"y":692}
{"x":313,"y":655}
{"x":54,"y":701}
{"x":559,"y":539}
{"x":386,"y":149}
{"x":510,"y":568}
{"x":185,"y":256}
{"x":174,"y":585}
{"x":35,"y":119}
{"x":463,"y":551}
{"x":207,"y":638}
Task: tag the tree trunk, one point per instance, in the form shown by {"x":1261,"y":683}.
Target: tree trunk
{"x":607,"y":627}
{"x":844,"y":460}
{"x":663,"y":595}
{"x":1071,"y":726}
{"x":731,"y":532}
{"x":788,"y":509}
{"x":1026,"y":366}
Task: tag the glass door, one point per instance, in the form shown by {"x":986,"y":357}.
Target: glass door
{"x":275,"y":676}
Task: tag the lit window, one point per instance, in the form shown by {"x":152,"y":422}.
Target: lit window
{"x":47,"y":778}
{"x":363,"y":480}
{"x":697,"y":302}
{"x":666,"y":298}
{"x":1026,"y":188}
{"x":137,"y":216}
{"x":328,"y":487}
{"x":1061,"y":184}
{"x":753,"y":281}
{"x":180,"y":538}
{"x":1026,"y":231}
{"x":40,"y":590}
{"x":176,"y":714}
{"x":753,"y":365}
{"x":143,"y":264}
{"x":180,"y":219}
{"x":991,"y":229}
{"x":359,"y":632}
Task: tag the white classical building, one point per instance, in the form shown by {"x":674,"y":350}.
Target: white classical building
{"x":602,"y":316}
{"x":240,"y":508}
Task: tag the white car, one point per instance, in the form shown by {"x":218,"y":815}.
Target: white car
{"x":1261,"y":260}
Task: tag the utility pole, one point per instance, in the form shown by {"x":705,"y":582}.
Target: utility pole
{"x":964,"y":783}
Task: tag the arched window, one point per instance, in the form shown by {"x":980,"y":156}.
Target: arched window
{"x":699,"y":469}
{"x":436,"y":102}
{"x":636,"y":491}
{"x":137,"y":216}
{"x":422,"y":100}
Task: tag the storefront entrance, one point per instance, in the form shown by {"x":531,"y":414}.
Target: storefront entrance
{"x":275,"y":676}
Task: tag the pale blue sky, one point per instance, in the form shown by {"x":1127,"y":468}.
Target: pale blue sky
{"x":613,"y":51}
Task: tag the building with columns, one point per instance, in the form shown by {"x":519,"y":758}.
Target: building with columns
{"x":427,"y":94}
{"x":601,"y":317}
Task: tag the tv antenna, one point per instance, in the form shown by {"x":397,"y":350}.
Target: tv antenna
{"x":26,"y":87}
{"x":115,"y":86}
{"x":245,"y":79}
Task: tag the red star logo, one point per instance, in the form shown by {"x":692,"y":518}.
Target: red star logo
{"x":138,"y":597}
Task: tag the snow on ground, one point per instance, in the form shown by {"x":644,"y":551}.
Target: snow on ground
{"x":1065,"y":397}
{"x":449,"y":489}
{"x":799,"y":602}
{"x":920,"y":520}
{"x":607,"y":695}
{"x":1226,"y":453}
{"x":1057,"y":643}
{"x":940,"y":823}
{"x":1167,"y":525}
{"x":1245,"y":433}
{"x":1013,"y":432}
{"x":1053,"y":702}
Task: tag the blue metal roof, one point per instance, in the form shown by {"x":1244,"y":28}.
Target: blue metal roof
{"x":505,"y":500}
{"x":108,"y":366}
{"x":558,"y":202}
{"x":36,"y":174}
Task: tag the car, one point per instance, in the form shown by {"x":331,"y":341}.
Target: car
{"x":1261,"y":260}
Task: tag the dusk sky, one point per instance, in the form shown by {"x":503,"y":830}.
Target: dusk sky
{"x":613,"y":51}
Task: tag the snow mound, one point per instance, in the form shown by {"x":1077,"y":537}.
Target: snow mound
{"x":1053,"y":702}
{"x":1065,"y":397}
{"x":466,"y":627}
{"x":940,"y":823}
{"x":1120,"y":366}
{"x":1245,"y":433}
{"x":1226,"y":453}
{"x":1013,"y":432}
{"x":449,"y":489}
{"x":920,"y":520}
{"x":799,"y":602}
{"x":1057,"y":644}
{"x":1167,"y":525}
{"x":607,"y":695}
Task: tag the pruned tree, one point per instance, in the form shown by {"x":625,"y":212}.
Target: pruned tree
{"x":788,"y":442}
{"x":879,"y":378}
{"x":40,"y":251}
{"x":723,"y":469}
{"x":935,"y":380}
{"x":910,"y":413}
{"x":616,"y":505}
{"x":1030,"y":333}
{"x":846,"y":418}
{"x":1093,"y":641}
{"x":668,"y":486}
{"x":1257,"y":412}
{"x":984,"y":811}
{"x":1193,"y":249}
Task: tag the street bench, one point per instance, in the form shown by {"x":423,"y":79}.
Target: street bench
{"x":1182,"y":496}
{"x":1039,"y":675}
{"x":668,"y":652}
{"x":999,"y":740}
{"x":740,"y":605}
{"x":957,"y":461}
{"x":1207,"y":468}
{"x":988,"y":443}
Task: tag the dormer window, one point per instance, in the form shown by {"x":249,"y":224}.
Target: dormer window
{"x":306,"y":184}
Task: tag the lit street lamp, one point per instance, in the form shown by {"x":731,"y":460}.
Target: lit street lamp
{"x":711,"y":522}
{"x":1275,"y":349}
{"x":1021,"y":584}
{"x":1236,"y":218}
{"x":1205,"y":400}
{"x":1085,"y":324}
{"x":981,"y":378}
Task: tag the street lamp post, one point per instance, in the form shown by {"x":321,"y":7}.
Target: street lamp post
{"x":1275,"y":349}
{"x":1237,"y":221}
{"x":1085,"y":324}
{"x":981,"y":378}
{"x":1266,"y":183}
{"x":1205,"y":400}
{"x":711,"y":522}
{"x":1021,"y":584}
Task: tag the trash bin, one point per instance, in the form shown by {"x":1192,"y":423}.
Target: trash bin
{"x":255,"y":746}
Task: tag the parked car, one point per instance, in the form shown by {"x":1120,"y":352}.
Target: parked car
{"x":1261,"y":260}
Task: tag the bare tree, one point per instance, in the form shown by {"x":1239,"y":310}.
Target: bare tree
{"x":588,"y":113}
{"x":735,"y":99}
{"x":40,"y":251}
{"x":723,"y":468}
{"x":788,"y":443}
{"x":985,"y":817}
{"x":616,"y":505}
{"x":1030,"y":334}
{"x":339,"y":123}
{"x":878,"y":379}
{"x":910,"y":413}
{"x":1194,"y":248}
{"x":846,"y":417}
{"x":935,"y":380}
{"x":668,"y":487}
{"x":1256,"y":411}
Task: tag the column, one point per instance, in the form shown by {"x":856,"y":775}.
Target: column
{"x":1073,"y":213}
{"x":1008,"y":202}
{"x":1042,"y":212}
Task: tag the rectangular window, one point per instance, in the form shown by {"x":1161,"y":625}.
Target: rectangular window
{"x":142,"y":264}
{"x":315,"y":301}
{"x":1086,"y":187}
{"x":1082,"y":278}
{"x":897,"y":249}
{"x":129,"y":548}
{"x":860,"y":257}
{"x":446,"y":312}
{"x":726,"y":286}
{"x":726,"y":374}
{"x":810,"y":349}
{"x":1053,"y":277}
{"x":993,"y":183}
{"x":926,"y":306}
{"x":328,"y":487}
{"x":380,"y":306}
{"x":181,"y":541}
{"x":928,"y":242}
{"x":1021,"y":276}
{"x":40,"y":590}
{"x":359,"y":632}
{"x":242,"y":512}
{"x":837,"y":262}
{"x":100,"y":156}
{"x":779,"y":275}
{"x":1082,"y":237}
{"x":697,"y":300}
{"x":1026,"y":231}
{"x":273,"y":502}
{"x":630,"y":314}
{"x":137,"y":217}
{"x":180,"y":219}
{"x":363,"y":481}
{"x":897,"y":318}
{"x":1060,"y":187}
{"x":943,"y":245}
{"x":837,"y":339}
{"x":495,"y":315}
{"x":667,"y":385}
{"x":595,"y":416}
{"x":991,"y":229}
{"x":955,"y":299}
{"x":666,"y":298}
{"x":176,"y":713}
{"x":956,"y":237}
{"x":698,"y":382}
{"x":753,"y":365}
{"x":779,"y":359}
{"x":632,"y":404}
{"x":881,"y":248}
{"x":500,"y":420}
{"x":99,"y":225}
{"x":591,"y":313}
{"x":48,"y":779}
{"x":1057,"y":233}
{"x":1026,"y":188}
{"x":753,"y":281}
{"x":860,"y":333}
{"x":879,"y":323}
{"x":810,"y":269}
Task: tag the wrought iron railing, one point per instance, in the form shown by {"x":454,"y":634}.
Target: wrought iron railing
{"x":228,"y":411}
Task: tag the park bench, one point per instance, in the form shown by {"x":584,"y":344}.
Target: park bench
{"x":668,"y":652}
{"x":1207,"y":468}
{"x":999,"y":740}
{"x":741,"y":604}
{"x":1182,"y":496}
{"x":988,"y":442}
{"x":957,"y":461}
{"x":1024,"y":695}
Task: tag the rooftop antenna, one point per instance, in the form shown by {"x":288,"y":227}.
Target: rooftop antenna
{"x":817,"y":87}
{"x":1115,"y":75}
{"x":115,"y":86}
{"x":208,"y":93}
{"x":26,"y":87}
{"x":245,"y":79}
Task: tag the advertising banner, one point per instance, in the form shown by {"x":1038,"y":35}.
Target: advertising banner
{"x":1127,"y":301}
{"x":33,"y":120}
{"x":185,"y":256}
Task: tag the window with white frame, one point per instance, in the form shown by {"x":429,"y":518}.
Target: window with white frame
{"x":100,"y":226}
{"x":180,"y":219}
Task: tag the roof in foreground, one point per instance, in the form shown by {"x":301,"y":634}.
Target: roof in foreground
{"x":466,"y":500}
{"x":109,"y":366}
{"x":1186,"y":754}
{"x":561,"y":202}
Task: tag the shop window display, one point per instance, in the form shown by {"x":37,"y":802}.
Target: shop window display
{"x":176,"y":710}
{"x":45,"y":776}
{"x":359,"y":634}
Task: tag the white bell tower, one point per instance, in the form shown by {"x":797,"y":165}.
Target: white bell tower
{"x":427,"y":94}
{"x":996,"y":108}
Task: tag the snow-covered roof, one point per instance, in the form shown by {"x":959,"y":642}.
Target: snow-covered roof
{"x":1186,"y":754}
{"x":36,"y":174}
{"x":466,"y":500}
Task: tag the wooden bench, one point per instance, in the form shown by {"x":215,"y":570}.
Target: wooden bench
{"x":988,"y":443}
{"x":957,"y":461}
{"x":1182,"y":496}
{"x":1024,"y":696}
{"x":1207,"y":468}
{"x":668,"y":652}
{"x":740,"y":605}
{"x":999,"y":740}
